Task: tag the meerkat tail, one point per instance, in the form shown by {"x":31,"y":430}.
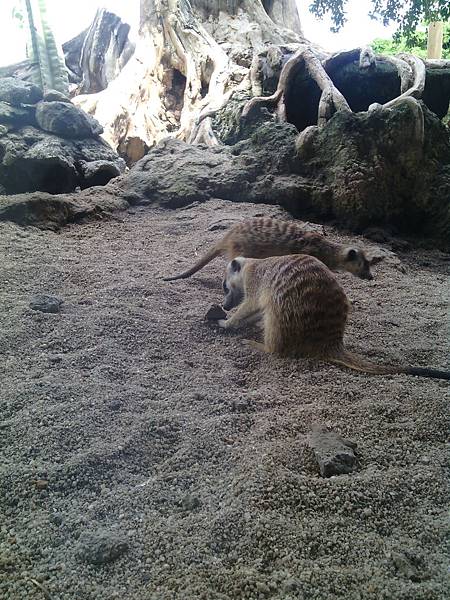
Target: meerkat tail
{"x":208,"y":257}
{"x":357,"y":363}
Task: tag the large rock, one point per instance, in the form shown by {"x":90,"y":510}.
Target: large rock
{"x":16,"y":91}
{"x":66,"y":120}
{"x":380,"y":176}
{"x":174,"y":174}
{"x":48,"y":211}
{"x":31,"y":159}
{"x":21,"y":115}
{"x":52,"y":146}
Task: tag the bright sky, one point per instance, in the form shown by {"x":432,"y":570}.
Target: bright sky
{"x":69,"y":17}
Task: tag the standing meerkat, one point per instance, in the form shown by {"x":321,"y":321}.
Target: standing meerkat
{"x":304,"y":311}
{"x":262,"y":237}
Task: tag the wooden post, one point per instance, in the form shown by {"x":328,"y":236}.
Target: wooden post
{"x":435,"y":36}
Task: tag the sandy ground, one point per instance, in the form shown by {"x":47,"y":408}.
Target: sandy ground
{"x":129,"y":424}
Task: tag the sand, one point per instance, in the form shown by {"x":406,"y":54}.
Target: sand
{"x":147,"y":455}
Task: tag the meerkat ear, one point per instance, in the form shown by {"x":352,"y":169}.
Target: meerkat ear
{"x":235,"y":266}
{"x":352,"y":254}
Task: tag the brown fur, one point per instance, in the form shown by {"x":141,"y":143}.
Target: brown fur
{"x":303,"y":307}
{"x":262,"y":237}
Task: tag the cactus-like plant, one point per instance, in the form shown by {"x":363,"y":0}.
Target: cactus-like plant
{"x":49,"y":70}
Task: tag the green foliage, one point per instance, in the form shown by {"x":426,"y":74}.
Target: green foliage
{"x":407,"y":15}
{"x":17,"y":15}
{"x":416,"y":44}
{"x":49,"y":69}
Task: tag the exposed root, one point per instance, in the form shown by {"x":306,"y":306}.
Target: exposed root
{"x":404,"y":71}
{"x":436,"y":63}
{"x":204,"y":134}
{"x":416,"y":89}
{"x":335,"y":61}
{"x":331,"y":100}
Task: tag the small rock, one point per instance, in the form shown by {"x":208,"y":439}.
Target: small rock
{"x":190,"y":503}
{"x":334,"y":454}
{"x":101,"y":546}
{"x":66,"y":120}
{"x":215,"y":313}
{"x":41,"y":484}
{"x":55,"y":359}
{"x":405,"y":566}
{"x":45,"y":303}
{"x":56,"y":518}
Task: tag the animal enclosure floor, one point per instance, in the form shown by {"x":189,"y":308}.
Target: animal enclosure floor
{"x":130,"y":426}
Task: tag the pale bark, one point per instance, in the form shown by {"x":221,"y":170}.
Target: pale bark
{"x":435,"y":39}
{"x":192,"y":56}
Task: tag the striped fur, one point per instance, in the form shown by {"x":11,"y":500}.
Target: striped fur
{"x":262,"y":237}
{"x":303,"y":307}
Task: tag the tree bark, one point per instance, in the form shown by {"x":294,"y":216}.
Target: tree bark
{"x":195,"y":56}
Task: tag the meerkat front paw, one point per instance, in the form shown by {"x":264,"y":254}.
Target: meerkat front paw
{"x":222,"y":323}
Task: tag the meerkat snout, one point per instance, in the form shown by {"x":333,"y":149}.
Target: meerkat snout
{"x":355,"y":262}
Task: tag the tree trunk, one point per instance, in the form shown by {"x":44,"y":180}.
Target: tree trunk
{"x":190,"y":58}
{"x":193,"y":56}
{"x":435,"y":38}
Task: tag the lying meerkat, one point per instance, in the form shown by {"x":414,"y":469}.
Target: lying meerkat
{"x":304,"y":311}
{"x":262,"y":237}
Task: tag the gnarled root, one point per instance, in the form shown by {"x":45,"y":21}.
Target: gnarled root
{"x":331,"y":99}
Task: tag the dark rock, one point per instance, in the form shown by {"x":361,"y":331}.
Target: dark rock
{"x":404,"y":565}
{"x":215,"y":313}
{"x":17,"y":115}
{"x":380,"y":177}
{"x":99,"y":172}
{"x":175,"y":174}
{"x":377,"y":234}
{"x":334,"y":454}
{"x":66,"y":120}
{"x":101,"y":546}
{"x":45,"y":303}
{"x":56,"y":358}
{"x":31,"y":160}
{"x":56,"y":518}
{"x":55,"y":96}
{"x":16,"y":91}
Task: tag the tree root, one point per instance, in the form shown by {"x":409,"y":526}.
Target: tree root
{"x":330,"y":101}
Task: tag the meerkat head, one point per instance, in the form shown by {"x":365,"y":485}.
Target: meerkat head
{"x":233,"y":283}
{"x":356,"y":262}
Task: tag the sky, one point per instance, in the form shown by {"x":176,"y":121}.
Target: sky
{"x":68,"y":18}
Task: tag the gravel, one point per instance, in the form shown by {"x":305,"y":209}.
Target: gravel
{"x":130,"y":422}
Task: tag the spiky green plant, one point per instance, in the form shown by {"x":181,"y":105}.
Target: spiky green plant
{"x":49,"y":70}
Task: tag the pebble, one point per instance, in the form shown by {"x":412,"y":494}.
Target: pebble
{"x":45,"y":303}
{"x":101,"y":546}
{"x":215,"y":313}
{"x":334,"y":455}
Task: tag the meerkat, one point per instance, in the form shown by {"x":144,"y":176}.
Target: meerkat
{"x":262,"y":237}
{"x":303,"y":308}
